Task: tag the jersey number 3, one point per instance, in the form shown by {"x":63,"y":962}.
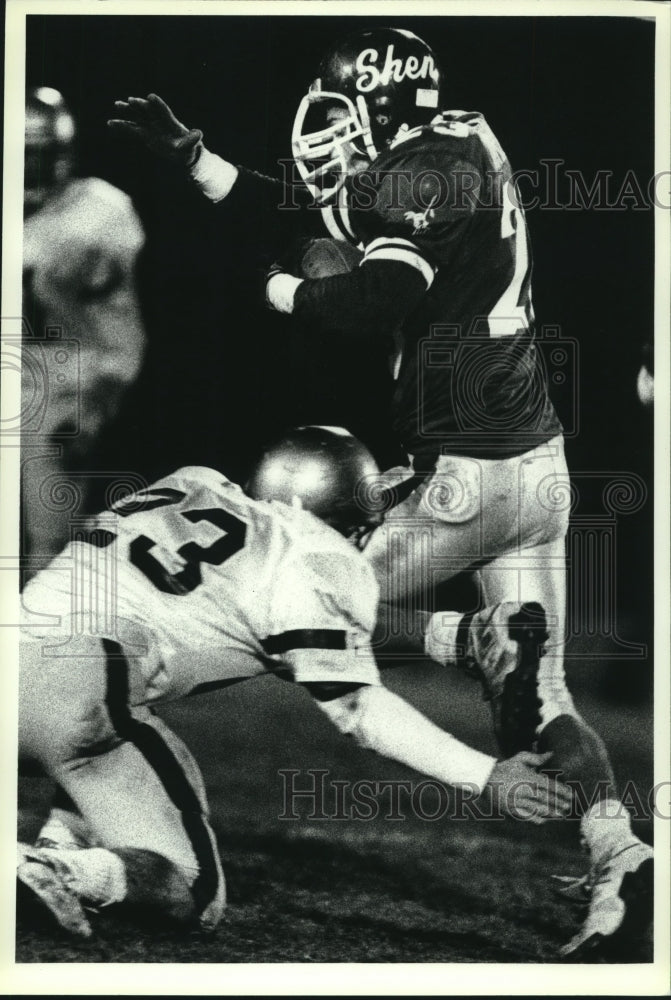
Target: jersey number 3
{"x":193,"y":554}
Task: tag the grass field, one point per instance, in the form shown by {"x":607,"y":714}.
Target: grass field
{"x":347,"y":890}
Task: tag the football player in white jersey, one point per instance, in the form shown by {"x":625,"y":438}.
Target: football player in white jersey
{"x":83,"y":337}
{"x":192,"y":585}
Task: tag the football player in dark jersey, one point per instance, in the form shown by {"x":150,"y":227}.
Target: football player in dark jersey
{"x":428,"y":197}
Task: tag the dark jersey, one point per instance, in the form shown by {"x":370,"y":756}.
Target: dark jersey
{"x":469,"y":381}
{"x":445,"y":276}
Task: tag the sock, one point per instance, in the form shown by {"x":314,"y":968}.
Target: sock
{"x":96,"y":875}
{"x":606,"y":829}
{"x":440,"y":640}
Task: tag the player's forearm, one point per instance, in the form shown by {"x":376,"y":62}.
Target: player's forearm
{"x":216,"y":178}
{"x":263,"y":213}
{"x":369,"y":302}
{"x":382,"y":721}
{"x":213,"y":175}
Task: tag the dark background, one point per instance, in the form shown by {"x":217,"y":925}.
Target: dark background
{"x":217,"y":379}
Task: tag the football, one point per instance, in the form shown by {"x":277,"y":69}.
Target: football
{"x":325,"y":257}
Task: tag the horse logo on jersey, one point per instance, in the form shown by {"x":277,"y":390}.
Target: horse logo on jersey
{"x":421,"y":220}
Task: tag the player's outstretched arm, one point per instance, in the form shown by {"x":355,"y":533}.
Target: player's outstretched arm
{"x":152,"y":122}
{"x":382,"y":721}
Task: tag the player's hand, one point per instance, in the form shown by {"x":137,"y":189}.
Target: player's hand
{"x":151,"y":120}
{"x":521,"y":791}
{"x":280,"y":289}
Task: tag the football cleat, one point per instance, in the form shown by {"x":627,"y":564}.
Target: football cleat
{"x":503,"y":646}
{"x":621,"y":904}
{"x":46,"y":881}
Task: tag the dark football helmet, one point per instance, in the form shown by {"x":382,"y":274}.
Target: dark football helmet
{"x":370,"y":89}
{"x":324,"y":470}
{"x":49,"y":145}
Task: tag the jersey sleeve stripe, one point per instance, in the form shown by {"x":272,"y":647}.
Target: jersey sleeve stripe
{"x":401,"y":250}
{"x":305,"y":638}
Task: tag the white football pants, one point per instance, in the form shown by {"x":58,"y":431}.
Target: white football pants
{"x":503,"y":520}
{"x":132,"y":779}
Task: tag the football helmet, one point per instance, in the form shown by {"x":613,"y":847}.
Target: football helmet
{"x":49,"y":144}
{"x":369,"y":88}
{"x":321,"y":469}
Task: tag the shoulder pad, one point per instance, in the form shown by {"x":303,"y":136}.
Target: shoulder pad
{"x":99,"y":212}
{"x":200,"y":475}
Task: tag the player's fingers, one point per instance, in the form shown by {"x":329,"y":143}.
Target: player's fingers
{"x":555,"y":791}
{"x":559,"y":807}
{"x":551,"y":812}
{"x":537,"y":799}
{"x":158,"y":106}
{"x":530,"y":814}
{"x":555,"y":796}
{"x":140,"y":108}
{"x":133,"y":110}
{"x":563,"y":796}
{"x":190,"y":139}
{"x":534,"y":759}
{"x":538,"y":814}
{"x":118,"y":125}
{"x":125,"y":111}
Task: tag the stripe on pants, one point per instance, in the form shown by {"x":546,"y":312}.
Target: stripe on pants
{"x":162,"y":760}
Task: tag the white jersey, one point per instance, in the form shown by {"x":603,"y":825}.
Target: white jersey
{"x":223,"y":586}
{"x":79,"y":254}
{"x":83,"y":342}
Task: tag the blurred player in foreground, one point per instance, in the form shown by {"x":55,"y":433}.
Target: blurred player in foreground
{"x":83,"y":334}
{"x":428,"y":197}
{"x":211,"y":586}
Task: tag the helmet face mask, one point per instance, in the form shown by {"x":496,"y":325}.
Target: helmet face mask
{"x":323,"y":152}
{"x":384,"y":82}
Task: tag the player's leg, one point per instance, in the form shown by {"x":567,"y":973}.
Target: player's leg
{"x":621,"y":865}
{"x":434,"y":533}
{"x":64,"y":826}
{"x":538,"y":574}
{"x":508,"y":519}
{"x":466,"y":513}
{"x":64,"y":881}
{"x":133,"y":781}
